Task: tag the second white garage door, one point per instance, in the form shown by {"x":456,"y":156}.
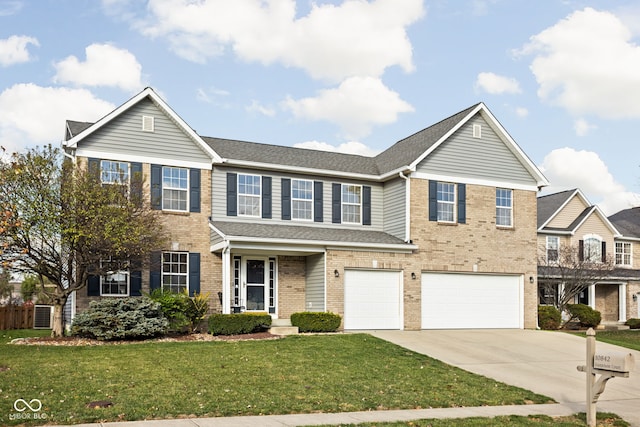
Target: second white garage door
{"x":471,"y":301}
{"x":372,"y":299}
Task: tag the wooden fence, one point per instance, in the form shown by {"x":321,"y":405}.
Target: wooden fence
{"x":16,"y":317}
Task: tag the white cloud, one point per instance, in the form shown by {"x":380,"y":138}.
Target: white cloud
{"x":256,"y":107}
{"x":351,"y":147}
{"x":496,"y":84}
{"x":583,"y":127}
{"x":31,"y":114}
{"x":522,"y":112}
{"x":105,"y":65}
{"x":14,"y":49}
{"x":331,"y":42}
{"x":356,"y":106}
{"x":567,"y":168}
{"x":8,"y":8}
{"x":587,"y":63}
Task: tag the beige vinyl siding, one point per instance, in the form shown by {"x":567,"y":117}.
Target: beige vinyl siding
{"x":219,"y":191}
{"x":595,"y":225}
{"x":568,"y":214}
{"x":395,"y":208}
{"x":487,"y":157}
{"x":314,"y":286}
{"x":124,"y":135}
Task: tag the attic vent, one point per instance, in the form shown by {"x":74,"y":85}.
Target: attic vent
{"x":477,"y":131}
{"x":42,"y":316}
{"x":147,"y":123}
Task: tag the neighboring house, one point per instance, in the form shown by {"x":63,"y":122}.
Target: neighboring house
{"x":437,"y":231}
{"x":568,"y":218}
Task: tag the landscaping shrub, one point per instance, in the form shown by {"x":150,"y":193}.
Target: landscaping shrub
{"x":174,"y":307}
{"x":588,"y":317}
{"x":241,"y":323}
{"x":549,"y":317}
{"x":633,"y":323}
{"x":121,"y":319}
{"x":197,"y":310}
{"x":308,"y":321}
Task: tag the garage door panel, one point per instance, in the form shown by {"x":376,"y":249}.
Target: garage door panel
{"x":465,"y":301}
{"x":372,"y":299}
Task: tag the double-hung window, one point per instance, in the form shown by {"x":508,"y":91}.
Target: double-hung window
{"x":301,"y":199}
{"x":446,"y":196}
{"x":175,"y":188}
{"x":623,"y":253}
{"x":553,"y":246}
{"x":175,"y":271}
{"x":249,"y":195}
{"x":504,"y":207}
{"x":351,"y":204}
{"x":114,"y":282}
{"x":112,"y":172}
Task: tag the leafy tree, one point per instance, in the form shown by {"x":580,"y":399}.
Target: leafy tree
{"x":58,"y":221}
{"x":571,"y":273}
{"x":6,"y":288}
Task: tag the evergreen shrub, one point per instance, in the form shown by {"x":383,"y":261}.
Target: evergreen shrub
{"x":240,"y":323}
{"x":308,"y":321}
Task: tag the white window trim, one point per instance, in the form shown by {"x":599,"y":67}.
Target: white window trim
{"x":343,"y":204}
{"x":303,"y":200}
{"x":454,"y":218}
{"x":162,"y":273}
{"x":584,"y":247}
{"x":510,"y":208}
{"x":557,"y":238}
{"x":259,"y":196}
{"x":126,"y":273}
{"x":186,"y":190}
{"x":128,"y":172}
{"x":630,"y":252}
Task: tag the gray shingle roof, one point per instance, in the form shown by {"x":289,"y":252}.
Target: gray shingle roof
{"x":617,"y":273}
{"x":321,"y":235}
{"x":627,"y":222}
{"x":549,"y":204}
{"x":74,"y":128}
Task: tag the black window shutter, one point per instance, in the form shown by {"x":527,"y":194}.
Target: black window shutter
{"x":433,"y":200}
{"x":135,"y":283}
{"x":93,"y":286}
{"x":194,"y":274}
{"x":156,"y":187}
{"x":266,"y":197}
{"x":155,"y":269}
{"x":462,"y":203}
{"x":317,"y":201}
{"x":136,"y":181}
{"x":194,"y":190}
{"x":366,"y":205}
{"x":94,"y":166}
{"x":285,"y":198}
{"x":604,"y":251}
{"x":581,"y":250}
{"x":232,"y":194}
{"x":336,"y":203}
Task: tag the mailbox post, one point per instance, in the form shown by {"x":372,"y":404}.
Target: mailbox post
{"x":606,"y":364}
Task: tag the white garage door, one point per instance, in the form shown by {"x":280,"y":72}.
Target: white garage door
{"x":372,"y":299}
{"x":471,"y":301}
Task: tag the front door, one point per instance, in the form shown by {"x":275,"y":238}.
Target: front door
{"x":256,"y":285}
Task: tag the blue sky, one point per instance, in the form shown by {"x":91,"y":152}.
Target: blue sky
{"x":563,"y":77}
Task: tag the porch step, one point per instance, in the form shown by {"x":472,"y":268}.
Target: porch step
{"x":613,"y":326}
{"x":283,"y":327}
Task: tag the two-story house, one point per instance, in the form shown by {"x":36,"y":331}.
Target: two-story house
{"x":568,"y":220}
{"x":437,"y":231}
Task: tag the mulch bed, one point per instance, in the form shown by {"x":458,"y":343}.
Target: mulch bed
{"x":78,"y":341}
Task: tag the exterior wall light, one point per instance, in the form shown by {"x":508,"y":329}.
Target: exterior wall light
{"x":413,"y":276}
{"x":336,"y":273}
{"x":531,"y":279}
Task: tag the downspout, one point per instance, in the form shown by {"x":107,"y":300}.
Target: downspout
{"x":407,"y":204}
{"x":226,"y":281}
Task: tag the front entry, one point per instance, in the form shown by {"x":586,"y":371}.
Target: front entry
{"x":255,"y":284}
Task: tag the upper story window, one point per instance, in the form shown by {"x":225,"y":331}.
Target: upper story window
{"x":592,"y":248}
{"x":553,"y":246}
{"x":446,"y":202}
{"x":623,"y":253}
{"x":301,"y":199}
{"x":175,"y":271}
{"x":249,"y":195}
{"x":175,"y":186}
{"x":351,"y":203}
{"x":112,"y":172}
{"x":504,"y":207}
{"x":115,"y":282}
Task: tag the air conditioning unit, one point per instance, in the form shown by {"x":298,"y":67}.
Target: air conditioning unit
{"x":42,"y":316}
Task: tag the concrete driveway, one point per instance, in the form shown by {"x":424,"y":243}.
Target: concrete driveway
{"x":540,"y":361}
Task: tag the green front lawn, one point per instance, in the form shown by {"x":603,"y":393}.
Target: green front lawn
{"x":629,"y":338}
{"x":297,"y":374}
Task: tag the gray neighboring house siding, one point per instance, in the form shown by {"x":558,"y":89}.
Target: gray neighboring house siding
{"x":476,"y":158}
{"x":314,"y":288}
{"x":167,"y":139}
{"x":395,"y":205}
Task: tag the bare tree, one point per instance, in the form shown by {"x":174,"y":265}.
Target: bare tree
{"x":566,"y":272}
{"x":59,"y":221}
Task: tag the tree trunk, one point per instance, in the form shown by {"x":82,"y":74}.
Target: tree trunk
{"x":57,"y":329}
